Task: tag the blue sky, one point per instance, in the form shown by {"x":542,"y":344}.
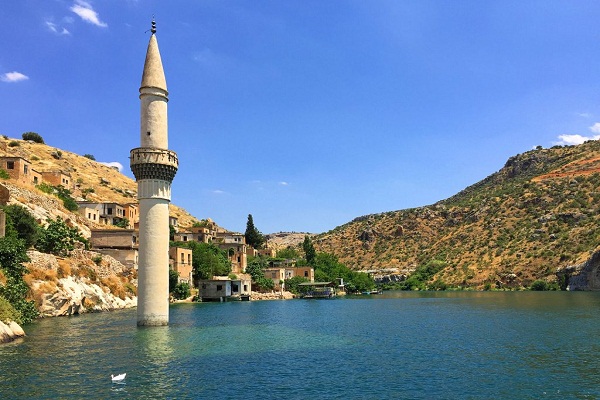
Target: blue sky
{"x":309,"y":113}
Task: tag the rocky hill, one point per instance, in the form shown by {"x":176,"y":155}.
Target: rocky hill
{"x":86,"y":281}
{"x":94,"y":181}
{"x":541,"y":211}
{"x":282,"y":240}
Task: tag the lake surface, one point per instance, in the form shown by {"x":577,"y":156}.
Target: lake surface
{"x":398,"y":345}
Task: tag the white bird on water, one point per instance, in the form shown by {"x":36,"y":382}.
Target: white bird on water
{"x":118,"y":378}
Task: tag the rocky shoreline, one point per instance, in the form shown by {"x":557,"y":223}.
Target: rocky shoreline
{"x":10,"y":331}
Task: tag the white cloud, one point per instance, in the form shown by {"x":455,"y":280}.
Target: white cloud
{"x":575,"y":139}
{"x":57,"y":29}
{"x":114,"y":164}
{"x":217,"y":191}
{"x":87,"y":13}
{"x":585,"y":115}
{"x":13,"y":77}
{"x":595,"y":128}
{"x":283,"y":183}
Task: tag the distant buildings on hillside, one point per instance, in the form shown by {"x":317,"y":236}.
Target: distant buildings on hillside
{"x":122,"y":243}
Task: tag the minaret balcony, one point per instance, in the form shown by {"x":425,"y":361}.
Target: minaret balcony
{"x":153,"y":163}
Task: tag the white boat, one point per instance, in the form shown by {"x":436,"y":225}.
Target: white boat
{"x":118,"y":378}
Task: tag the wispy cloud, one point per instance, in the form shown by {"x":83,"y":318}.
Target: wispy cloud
{"x":87,"y":13}
{"x":218,"y":191}
{"x":584,"y":115}
{"x":13,"y":77}
{"x":595,"y":128}
{"x":283,"y":183}
{"x":575,"y":139}
{"x":114,"y":164}
{"x":57,"y":29}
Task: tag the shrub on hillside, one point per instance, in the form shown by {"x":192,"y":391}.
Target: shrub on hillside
{"x":21,"y":224}
{"x":12,"y":257}
{"x":91,"y":157}
{"x":58,"y":238}
{"x":34,"y":137}
{"x":13,"y":143}
{"x":4,"y":174}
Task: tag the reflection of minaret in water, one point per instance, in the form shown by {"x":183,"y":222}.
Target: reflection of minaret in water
{"x":154,"y":167}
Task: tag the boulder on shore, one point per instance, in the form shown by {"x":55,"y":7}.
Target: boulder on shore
{"x":10,"y":331}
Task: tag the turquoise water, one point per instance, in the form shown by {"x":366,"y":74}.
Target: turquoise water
{"x":399,"y":345}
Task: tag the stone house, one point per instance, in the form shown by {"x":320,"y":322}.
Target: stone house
{"x":58,"y":178}
{"x":180,"y":261}
{"x":121,"y":244}
{"x":20,"y":170}
{"x":235,"y":245}
{"x":266,"y":252}
{"x":280,"y":273}
{"x":131,"y":212}
{"x":108,"y":213}
{"x":224,"y":289}
{"x":174,"y":222}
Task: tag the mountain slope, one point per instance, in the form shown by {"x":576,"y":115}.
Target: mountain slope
{"x":537,"y":213}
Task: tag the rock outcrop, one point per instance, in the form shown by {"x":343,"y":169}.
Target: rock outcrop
{"x":10,"y":331}
{"x":74,"y":285}
{"x":584,"y":276}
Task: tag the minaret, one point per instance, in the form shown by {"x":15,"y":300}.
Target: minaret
{"x":154,"y":167}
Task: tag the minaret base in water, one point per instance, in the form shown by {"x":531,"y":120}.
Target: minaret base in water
{"x":154,"y":167}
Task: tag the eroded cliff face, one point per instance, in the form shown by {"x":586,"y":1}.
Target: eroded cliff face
{"x":584,"y":276}
{"x":86,"y":281}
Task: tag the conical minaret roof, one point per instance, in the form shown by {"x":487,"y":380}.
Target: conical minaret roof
{"x":154,"y":75}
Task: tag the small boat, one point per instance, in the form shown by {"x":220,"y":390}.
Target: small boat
{"x":118,"y":378}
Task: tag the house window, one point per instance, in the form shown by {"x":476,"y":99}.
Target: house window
{"x":182,"y":258}
{"x":245,"y":288}
{"x":26,"y":169}
{"x":189,"y":259}
{"x":35,"y":180}
{"x":109,"y":211}
{"x":219,"y":287}
{"x":306,"y":274}
{"x":184,"y":238}
{"x":10,"y":165}
{"x":204,"y":286}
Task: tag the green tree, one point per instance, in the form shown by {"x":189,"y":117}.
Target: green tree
{"x":35,"y":137}
{"x":329,"y":269}
{"x":123,"y":223}
{"x":208,"y":260}
{"x":309,"y":250}
{"x":58,"y":238}
{"x":22,"y":224}
{"x":288,"y":253}
{"x":253,"y":236}
{"x":90,"y":156}
{"x":256,"y":269}
{"x":182,"y":291}
{"x":293,"y":284}
{"x":15,"y":290}
{"x":173,"y":279}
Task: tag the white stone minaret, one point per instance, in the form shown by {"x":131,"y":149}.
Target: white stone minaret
{"x":154,"y":167}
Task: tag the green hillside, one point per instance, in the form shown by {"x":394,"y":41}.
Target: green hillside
{"x":537,"y":213}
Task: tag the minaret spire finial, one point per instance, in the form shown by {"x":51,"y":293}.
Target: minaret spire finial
{"x":153,"y":29}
